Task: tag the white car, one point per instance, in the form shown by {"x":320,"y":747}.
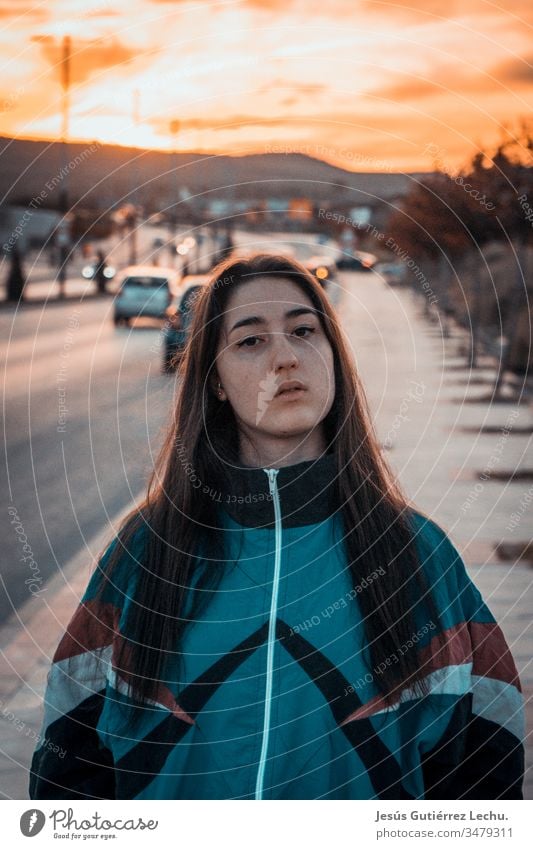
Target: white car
{"x":145,"y":290}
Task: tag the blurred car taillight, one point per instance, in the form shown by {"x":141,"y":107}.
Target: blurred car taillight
{"x":173,"y":319}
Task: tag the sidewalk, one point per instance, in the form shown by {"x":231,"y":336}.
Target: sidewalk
{"x":454,"y":454}
{"x":46,"y":292}
{"x":438,"y":457}
{"x":27,"y":644}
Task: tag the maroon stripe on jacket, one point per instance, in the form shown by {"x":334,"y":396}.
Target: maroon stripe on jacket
{"x":92,"y":627}
{"x":480,"y":643}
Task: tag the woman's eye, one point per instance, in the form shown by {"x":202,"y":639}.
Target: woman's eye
{"x":245,"y":342}
{"x":310,"y":329}
{"x":250,"y":340}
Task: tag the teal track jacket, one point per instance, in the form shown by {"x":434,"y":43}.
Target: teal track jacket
{"x":276,"y":697}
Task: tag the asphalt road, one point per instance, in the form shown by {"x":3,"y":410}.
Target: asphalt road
{"x":84,"y":404}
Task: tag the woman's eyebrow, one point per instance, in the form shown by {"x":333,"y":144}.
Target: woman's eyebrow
{"x":257,"y":319}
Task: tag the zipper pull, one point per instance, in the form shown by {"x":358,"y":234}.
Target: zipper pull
{"x":272,"y":475}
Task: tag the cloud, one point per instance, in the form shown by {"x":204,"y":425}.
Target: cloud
{"x":214,"y":5}
{"x":499,"y":77}
{"x":423,"y":11}
{"x":237,"y":122}
{"x":515,"y":71}
{"x":87,"y":57}
{"x":307,"y":88}
{"x":415,"y":89}
{"x":23,"y":11}
{"x":325,"y":121}
{"x":294,"y":90}
{"x":273,"y":5}
{"x":102,"y":13}
{"x":227,"y":123}
{"x":295,"y":93}
{"x":408,"y":10}
{"x":414,"y":10}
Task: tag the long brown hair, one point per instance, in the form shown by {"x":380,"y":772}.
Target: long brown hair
{"x":182,"y":521}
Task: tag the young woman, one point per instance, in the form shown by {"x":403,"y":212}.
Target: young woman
{"x":276,"y":621}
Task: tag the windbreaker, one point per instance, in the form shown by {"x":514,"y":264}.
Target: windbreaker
{"x":276,"y":696}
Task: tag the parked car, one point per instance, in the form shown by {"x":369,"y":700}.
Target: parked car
{"x":145,"y":290}
{"x":394,"y":273}
{"x":357,"y":261}
{"x":177,"y":326}
{"x":323,"y":267}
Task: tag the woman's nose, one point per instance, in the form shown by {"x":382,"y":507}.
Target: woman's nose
{"x":283,"y":351}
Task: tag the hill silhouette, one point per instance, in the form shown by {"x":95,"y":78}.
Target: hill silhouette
{"x":103,"y":175}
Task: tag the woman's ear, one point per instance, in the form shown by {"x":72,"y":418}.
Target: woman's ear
{"x":218,"y":390}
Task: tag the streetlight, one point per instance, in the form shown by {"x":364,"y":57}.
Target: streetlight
{"x":63,"y":239}
{"x":132,"y":215}
{"x":174,"y":129}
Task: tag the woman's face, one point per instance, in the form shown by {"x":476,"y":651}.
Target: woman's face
{"x":270,"y":335}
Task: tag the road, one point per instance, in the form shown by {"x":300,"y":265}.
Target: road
{"x":84,"y":403}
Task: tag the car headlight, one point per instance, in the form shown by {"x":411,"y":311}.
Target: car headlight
{"x":87,"y":272}
{"x":109,"y":272}
{"x":321,"y":272}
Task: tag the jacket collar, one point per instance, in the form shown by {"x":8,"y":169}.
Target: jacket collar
{"x":307,"y":493}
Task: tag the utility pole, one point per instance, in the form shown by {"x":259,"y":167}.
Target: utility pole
{"x":133,"y":215}
{"x":63,"y":240}
{"x":174,"y":129}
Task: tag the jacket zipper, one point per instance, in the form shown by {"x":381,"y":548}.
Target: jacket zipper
{"x":272,"y":482}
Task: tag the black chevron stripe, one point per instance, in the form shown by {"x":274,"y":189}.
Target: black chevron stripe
{"x":145,"y":760}
{"x":383,"y":769}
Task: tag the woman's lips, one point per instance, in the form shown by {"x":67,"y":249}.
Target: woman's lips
{"x":291,"y":393}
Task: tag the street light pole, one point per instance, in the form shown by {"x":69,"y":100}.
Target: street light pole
{"x":133,"y":217}
{"x":65,"y":108}
{"x":62,"y":237}
{"x":174,"y":129}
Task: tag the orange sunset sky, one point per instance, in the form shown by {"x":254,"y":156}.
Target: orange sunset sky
{"x":365,"y":84}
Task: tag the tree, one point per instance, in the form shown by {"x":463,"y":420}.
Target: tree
{"x":448,"y":218}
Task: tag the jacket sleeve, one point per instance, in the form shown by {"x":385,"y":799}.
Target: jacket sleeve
{"x":70,"y":761}
{"x":481,"y":755}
